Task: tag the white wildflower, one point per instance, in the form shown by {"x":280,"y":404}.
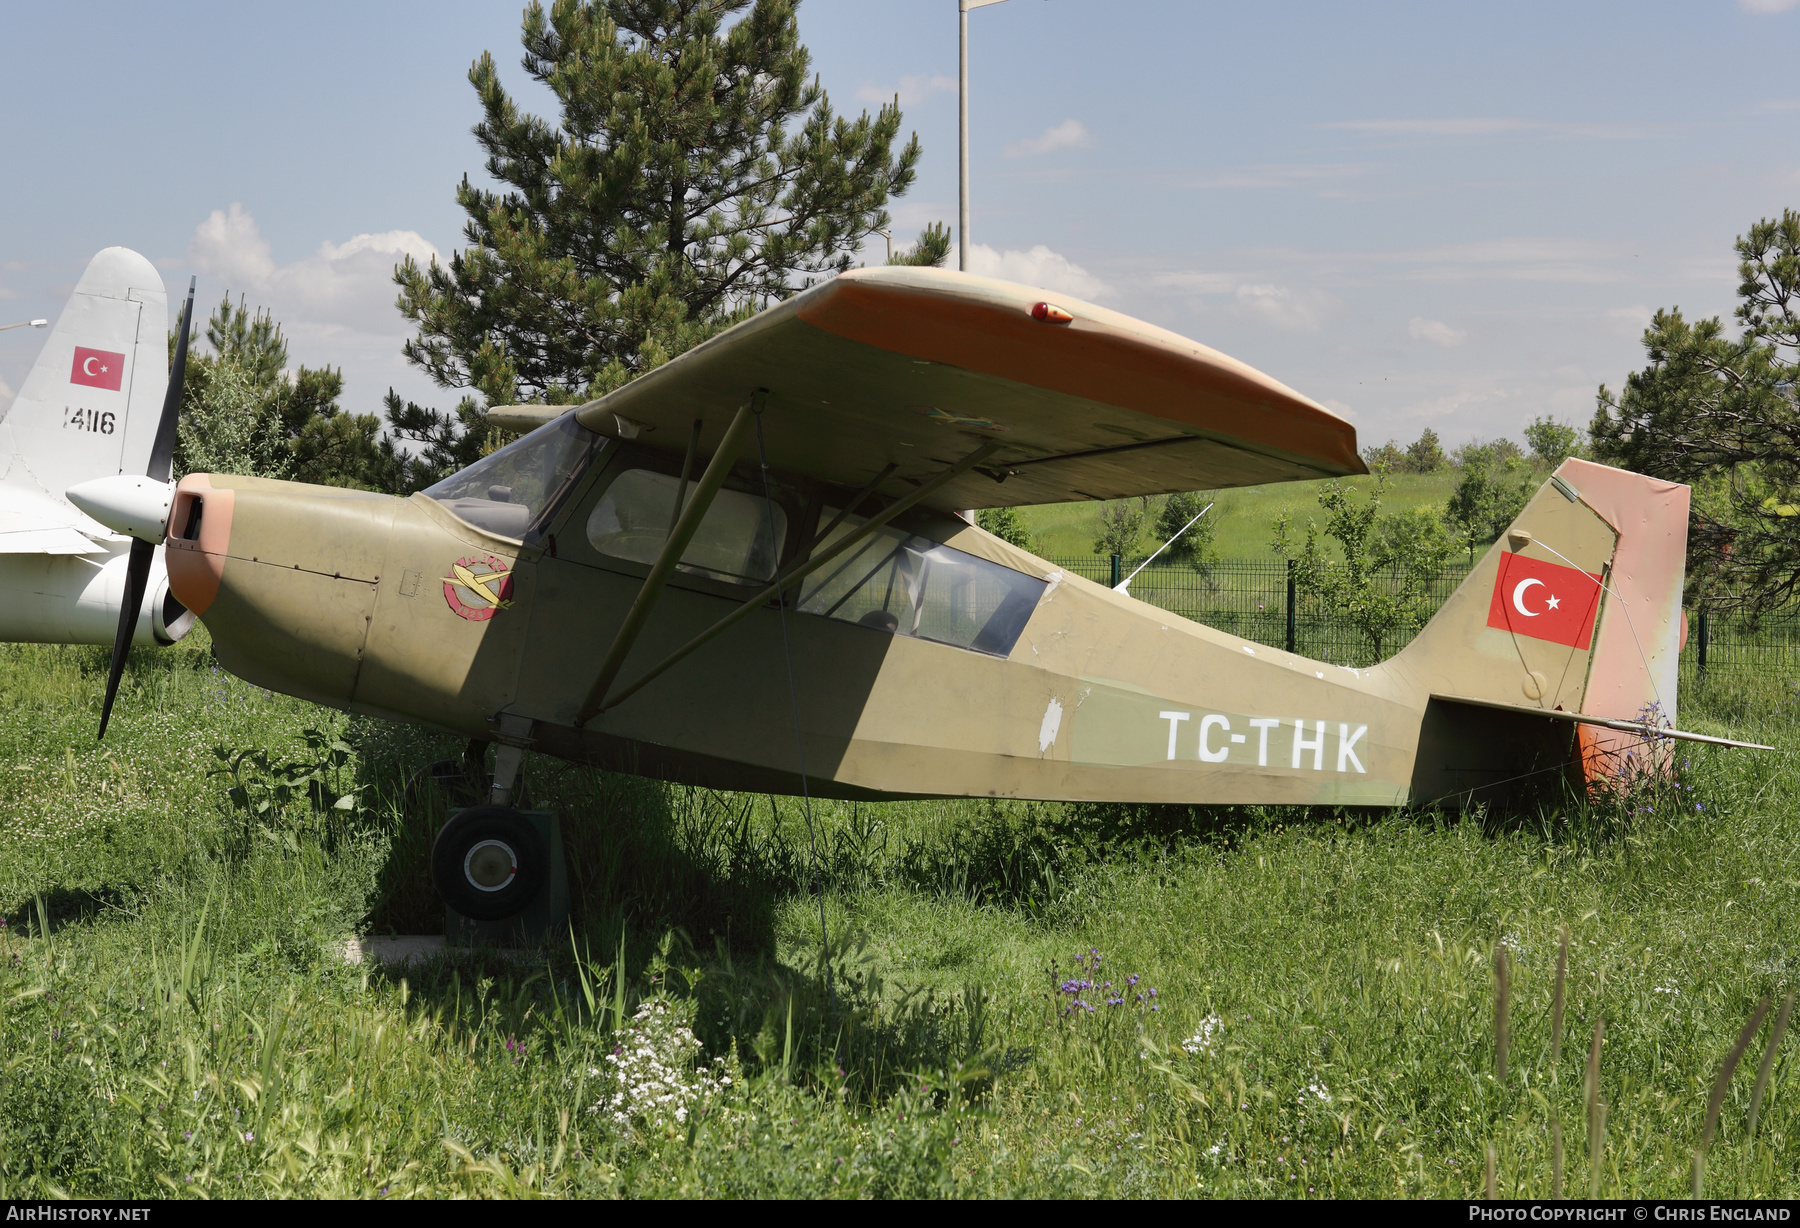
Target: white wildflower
{"x":653,"y":1072}
{"x":1314,"y":1091}
{"x":1205,"y":1036}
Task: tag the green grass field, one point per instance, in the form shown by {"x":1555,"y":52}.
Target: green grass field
{"x":1246,"y":515}
{"x":176,"y":1017}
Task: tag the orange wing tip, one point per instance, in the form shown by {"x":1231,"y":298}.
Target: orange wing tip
{"x":1050,"y":313}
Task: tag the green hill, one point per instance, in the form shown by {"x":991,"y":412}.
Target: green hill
{"x":1246,"y":514}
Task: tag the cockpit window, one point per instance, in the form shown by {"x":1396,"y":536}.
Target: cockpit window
{"x":507,"y":492}
{"x":909,"y":585}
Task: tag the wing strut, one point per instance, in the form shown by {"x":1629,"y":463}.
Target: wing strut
{"x":798,"y":572}
{"x":686,"y":524}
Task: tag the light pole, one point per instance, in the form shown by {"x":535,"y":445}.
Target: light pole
{"x":962,"y":109}
{"x":24,"y":324}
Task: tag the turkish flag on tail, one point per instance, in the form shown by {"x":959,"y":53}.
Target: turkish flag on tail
{"x":98,"y":368}
{"x":1545,"y":601}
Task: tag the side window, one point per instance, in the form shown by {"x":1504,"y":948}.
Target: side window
{"x":908,"y":585}
{"x":739,"y":539}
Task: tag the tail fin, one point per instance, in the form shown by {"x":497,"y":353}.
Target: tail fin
{"x":1577,"y":607}
{"x":89,"y":407}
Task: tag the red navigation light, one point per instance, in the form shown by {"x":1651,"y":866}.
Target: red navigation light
{"x":1050,"y":313}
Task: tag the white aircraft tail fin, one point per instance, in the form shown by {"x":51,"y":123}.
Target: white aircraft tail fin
{"x":90,"y":406}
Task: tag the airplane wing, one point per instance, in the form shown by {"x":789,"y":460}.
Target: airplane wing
{"x":1647,"y":731}
{"x":918,"y":367}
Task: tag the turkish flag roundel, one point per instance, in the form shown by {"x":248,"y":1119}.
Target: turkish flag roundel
{"x":98,"y":368}
{"x":1545,"y":601}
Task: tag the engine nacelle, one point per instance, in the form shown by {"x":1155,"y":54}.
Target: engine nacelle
{"x":75,"y":599}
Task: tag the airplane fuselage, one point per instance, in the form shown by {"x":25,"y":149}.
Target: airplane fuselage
{"x":399,"y":608}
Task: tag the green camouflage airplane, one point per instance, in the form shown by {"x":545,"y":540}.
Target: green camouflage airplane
{"x":749,"y":569}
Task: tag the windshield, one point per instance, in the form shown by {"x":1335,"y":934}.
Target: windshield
{"x":507,"y":492}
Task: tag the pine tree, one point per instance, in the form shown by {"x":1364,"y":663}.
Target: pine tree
{"x":1723,"y":414}
{"x":931,"y":250}
{"x":1425,"y":454}
{"x":694,"y":175}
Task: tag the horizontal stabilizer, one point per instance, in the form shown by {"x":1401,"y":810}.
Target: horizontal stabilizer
{"x":1642,"y":728}
{"x":49,"y":541}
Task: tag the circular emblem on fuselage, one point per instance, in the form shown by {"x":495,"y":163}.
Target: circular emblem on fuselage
{"x":477,"y":588}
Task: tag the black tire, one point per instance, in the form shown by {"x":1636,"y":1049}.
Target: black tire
{"x":489,"y":862}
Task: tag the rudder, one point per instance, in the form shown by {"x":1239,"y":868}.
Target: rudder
{"x":1577,"y":607}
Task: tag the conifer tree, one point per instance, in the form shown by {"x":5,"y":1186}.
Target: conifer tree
{"x":1723,"y":413}
{"x":695,"y":174}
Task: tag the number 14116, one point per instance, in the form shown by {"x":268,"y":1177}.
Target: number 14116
{"x":88,"y":420}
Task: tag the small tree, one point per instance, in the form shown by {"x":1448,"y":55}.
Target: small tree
{"x":1485,"y":501}
{"x":1495,"y":454}
{"x":1006,"y":524}
{"x":1382,"y":584}
{"x":229,"y":424}
{"x":1552,"y":442}
{"x":244,"y":411}
{"x":1194,"y":547}
{"x":1121,"y":525}
{"x":1425,"y":454}
{"x":1390,"y":456}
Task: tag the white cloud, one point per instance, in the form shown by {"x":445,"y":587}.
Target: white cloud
{"x":1038,"y":267}
{"x":911,"y":90}
{"x":1291,"y":311}
{"x":8,"y":292}
{"x":1767,"y":6}
{"x":1195,"y":282}
{"x":345,"y":285}
{"x":1435,"y":332}
{"x":1474,"y":126}
{"x":1070,"y":134}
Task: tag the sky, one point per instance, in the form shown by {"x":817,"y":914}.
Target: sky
{"x":1421,"y":215}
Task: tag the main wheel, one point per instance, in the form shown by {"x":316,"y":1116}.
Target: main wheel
{"x":489,"y":862}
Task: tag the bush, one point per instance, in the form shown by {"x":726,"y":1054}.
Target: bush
{"x":1006,"y":524}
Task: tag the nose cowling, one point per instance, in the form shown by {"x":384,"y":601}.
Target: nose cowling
{"x":284,"y":576}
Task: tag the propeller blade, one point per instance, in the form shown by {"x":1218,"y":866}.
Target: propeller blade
{"x":137,"y":577}
{"x":162,"y":451}
{"x":137,"y":569}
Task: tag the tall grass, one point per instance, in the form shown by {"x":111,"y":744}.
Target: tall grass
{"x":1346,"y":1003}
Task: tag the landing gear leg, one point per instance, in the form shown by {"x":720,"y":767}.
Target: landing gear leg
{"x":506,"y":773}
{"x":515,"y":736}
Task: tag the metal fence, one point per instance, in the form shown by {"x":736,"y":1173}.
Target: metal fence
{"x":1252,"y":598}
